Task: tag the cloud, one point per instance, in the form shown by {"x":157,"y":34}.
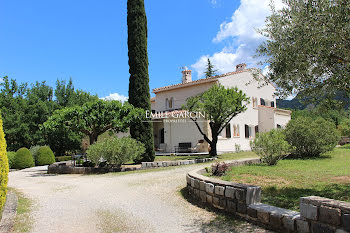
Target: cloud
{"x":239,"y":36}
{"x":116,"y":96}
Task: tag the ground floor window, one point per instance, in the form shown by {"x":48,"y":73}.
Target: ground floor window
{"x":236,"y":130}
{"x":228,"y":131}
{"x":248,"y":131}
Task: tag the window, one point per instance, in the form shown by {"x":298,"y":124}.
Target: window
{"x":228,"y":131}
{"x":248,"y":131}
{"x":273,"y":104}
{"x":171,"y":102}
{"x":166,"y":103}
{"x":235,"y":130}
{"x":262,"y":101}
{"x":255,"y":102}
{"x":279,"y":126}
{"x":256,"y":129}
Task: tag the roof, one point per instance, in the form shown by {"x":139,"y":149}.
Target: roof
{"x":196,"y":82}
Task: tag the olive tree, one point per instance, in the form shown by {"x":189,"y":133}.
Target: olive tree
{"x":220,"y":105}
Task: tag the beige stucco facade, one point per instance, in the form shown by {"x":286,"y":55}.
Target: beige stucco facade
{"x":261,"y":114}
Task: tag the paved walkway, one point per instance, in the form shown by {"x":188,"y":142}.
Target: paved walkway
{"x":120,"y":202}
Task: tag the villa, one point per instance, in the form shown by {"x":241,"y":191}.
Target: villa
{"x":175,"y":132}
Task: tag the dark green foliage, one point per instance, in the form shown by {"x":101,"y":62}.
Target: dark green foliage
{"x":308,"y":47}
{"x":11,"y":157}
{"x":44,"y":156}
{"x":311,"y":137}
{"x":95,"y":118}
{"x":220,"y":105}
{"x":139,"y":93}
{"x":211,"y":71}
{"x":115,"y":151}
{"x":23,"y":159}
{"x":25,"y":108}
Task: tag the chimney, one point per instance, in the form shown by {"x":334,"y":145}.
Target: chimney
{"x":241,"y":67}
{"x":186,"y":75}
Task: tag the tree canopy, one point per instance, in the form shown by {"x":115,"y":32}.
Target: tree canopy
{"x":26,"y":107}
{"x":94,"y":118}
{"x":308,"y":47}
{"x":220,"y":105}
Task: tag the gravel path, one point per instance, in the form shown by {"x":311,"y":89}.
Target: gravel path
{"x":119,"y":202}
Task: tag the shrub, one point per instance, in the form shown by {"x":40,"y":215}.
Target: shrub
{"x":34,"y":151}
{"x":344,"y":127}
{"x":11,"y":157}
{"x":311,"y":137}
{"x":4,"y":167}
{"x":44,"y":156}
{"x":219,"y":169}
{"x":63,"y":158}
{"x":23,"y":159}
{"x":115,"y":151}
{"x":271,"y":146}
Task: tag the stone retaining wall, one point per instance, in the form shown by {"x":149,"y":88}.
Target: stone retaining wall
{"x":62,"y":168}
{"x":175,"y":162}
{"x":317,"y":214}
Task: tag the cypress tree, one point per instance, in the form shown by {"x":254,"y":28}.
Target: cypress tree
{"x":139,"y":93}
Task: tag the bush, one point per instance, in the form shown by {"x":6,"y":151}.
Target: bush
{"x":219,"y":169}
{"x":310,"y":137}
{"x":34,"y":151}
{"x":23,"y":159}
{"x":63,"y":158}
{"x":115,"y":151}
{"x":11,"y":157}
{"x":4,"y":167}
{"x":344,"y":127}
{"x":44,"y":156}
{"x":271,"y":146}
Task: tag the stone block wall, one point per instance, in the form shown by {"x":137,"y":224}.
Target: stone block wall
{"x":316,"y":215}
{"x":325,"y":215}
{"x":174,"y":163}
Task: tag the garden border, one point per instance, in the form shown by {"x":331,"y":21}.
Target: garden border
{"x":9,"y":212}
{"x":317,"y":214}
{"x":62,"y":168}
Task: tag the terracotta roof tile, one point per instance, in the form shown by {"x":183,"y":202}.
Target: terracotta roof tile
{"x":199,"y":81}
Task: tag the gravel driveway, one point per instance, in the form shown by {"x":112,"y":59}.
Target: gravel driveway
{"x":119,"y":202}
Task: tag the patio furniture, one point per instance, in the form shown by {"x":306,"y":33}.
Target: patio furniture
{"x":184,"y":147}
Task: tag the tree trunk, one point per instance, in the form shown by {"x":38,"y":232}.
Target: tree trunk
{"x":93,"y":138}
{"x":213,"y":151}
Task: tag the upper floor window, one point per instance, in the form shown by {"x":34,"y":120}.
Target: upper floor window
{"x":262,"y":101}
{"x":255,"y":102}
{"x":169,"y":103}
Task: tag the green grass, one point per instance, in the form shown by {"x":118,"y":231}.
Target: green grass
{"x":283,"y":184}
{"x":23,"y":221}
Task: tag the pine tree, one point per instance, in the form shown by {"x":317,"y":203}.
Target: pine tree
{"x":139,"y":93}
{"x":210,"y":70}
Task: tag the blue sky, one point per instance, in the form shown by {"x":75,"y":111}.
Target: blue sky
{"x":87,"y":40}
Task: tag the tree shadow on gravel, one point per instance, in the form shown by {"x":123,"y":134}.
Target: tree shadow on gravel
{"x":223,"y":222}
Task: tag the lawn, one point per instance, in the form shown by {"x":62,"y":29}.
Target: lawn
{"x":283,"y":184}
{"x":226,"y":156}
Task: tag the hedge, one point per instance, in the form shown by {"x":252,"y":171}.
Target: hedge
{"x":11,"y":157}
{"x":44,"y":156}
{"x":23,"y":159}
{"x":4,"y":167}
{"x":63,"y":158}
